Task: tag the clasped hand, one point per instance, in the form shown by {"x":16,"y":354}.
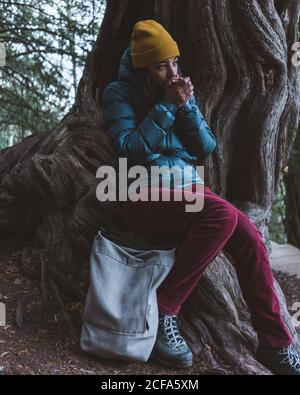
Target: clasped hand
{"x":178,"y":90}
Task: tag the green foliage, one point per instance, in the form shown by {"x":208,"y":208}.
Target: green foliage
{"x":46,"y":44}
{"x":276,"y":225}
{"x":278,"y":218}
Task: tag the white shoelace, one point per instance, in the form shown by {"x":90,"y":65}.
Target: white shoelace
{"x":171,"y":330}
{"x":292,"y":357}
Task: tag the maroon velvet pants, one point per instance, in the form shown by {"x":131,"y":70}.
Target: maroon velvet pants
{"x":218,"y":226}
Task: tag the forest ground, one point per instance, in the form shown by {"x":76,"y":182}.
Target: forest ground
{"x":34,"y":342}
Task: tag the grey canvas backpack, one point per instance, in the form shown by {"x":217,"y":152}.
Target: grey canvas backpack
{"x":120,"y":318}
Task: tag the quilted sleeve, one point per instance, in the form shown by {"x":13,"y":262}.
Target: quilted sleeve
{"x":193,"y":130}
{"x":129,"y":139}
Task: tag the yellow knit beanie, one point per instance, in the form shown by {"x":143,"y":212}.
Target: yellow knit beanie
{"x":151,"y":43}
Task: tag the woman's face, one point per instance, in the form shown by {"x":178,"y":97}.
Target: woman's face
{"x":160,"y":73}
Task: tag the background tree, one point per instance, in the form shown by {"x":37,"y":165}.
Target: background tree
{"x":276,"y":223}
{"x":238,"y":55}
{"x":46,"y":44}
{"x":292,"y":196}
{"x":285,"y":220}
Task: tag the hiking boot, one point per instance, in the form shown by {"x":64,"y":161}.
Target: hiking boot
{"x":281,"y":361}
{"x":170,"y":348}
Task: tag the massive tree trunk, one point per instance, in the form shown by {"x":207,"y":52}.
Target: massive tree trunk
{"x":238,"y":55}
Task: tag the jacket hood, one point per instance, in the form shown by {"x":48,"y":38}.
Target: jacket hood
{"x":126,"y":68}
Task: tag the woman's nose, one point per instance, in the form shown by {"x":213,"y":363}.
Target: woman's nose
{"x":172,"y":72}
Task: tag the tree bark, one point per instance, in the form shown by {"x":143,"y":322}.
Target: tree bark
{"x":238,"y":55}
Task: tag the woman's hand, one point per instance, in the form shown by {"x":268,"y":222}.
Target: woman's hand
{"x":178,"y":90}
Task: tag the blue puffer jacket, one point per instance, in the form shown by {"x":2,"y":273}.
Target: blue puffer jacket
{"x":168,"y":135}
